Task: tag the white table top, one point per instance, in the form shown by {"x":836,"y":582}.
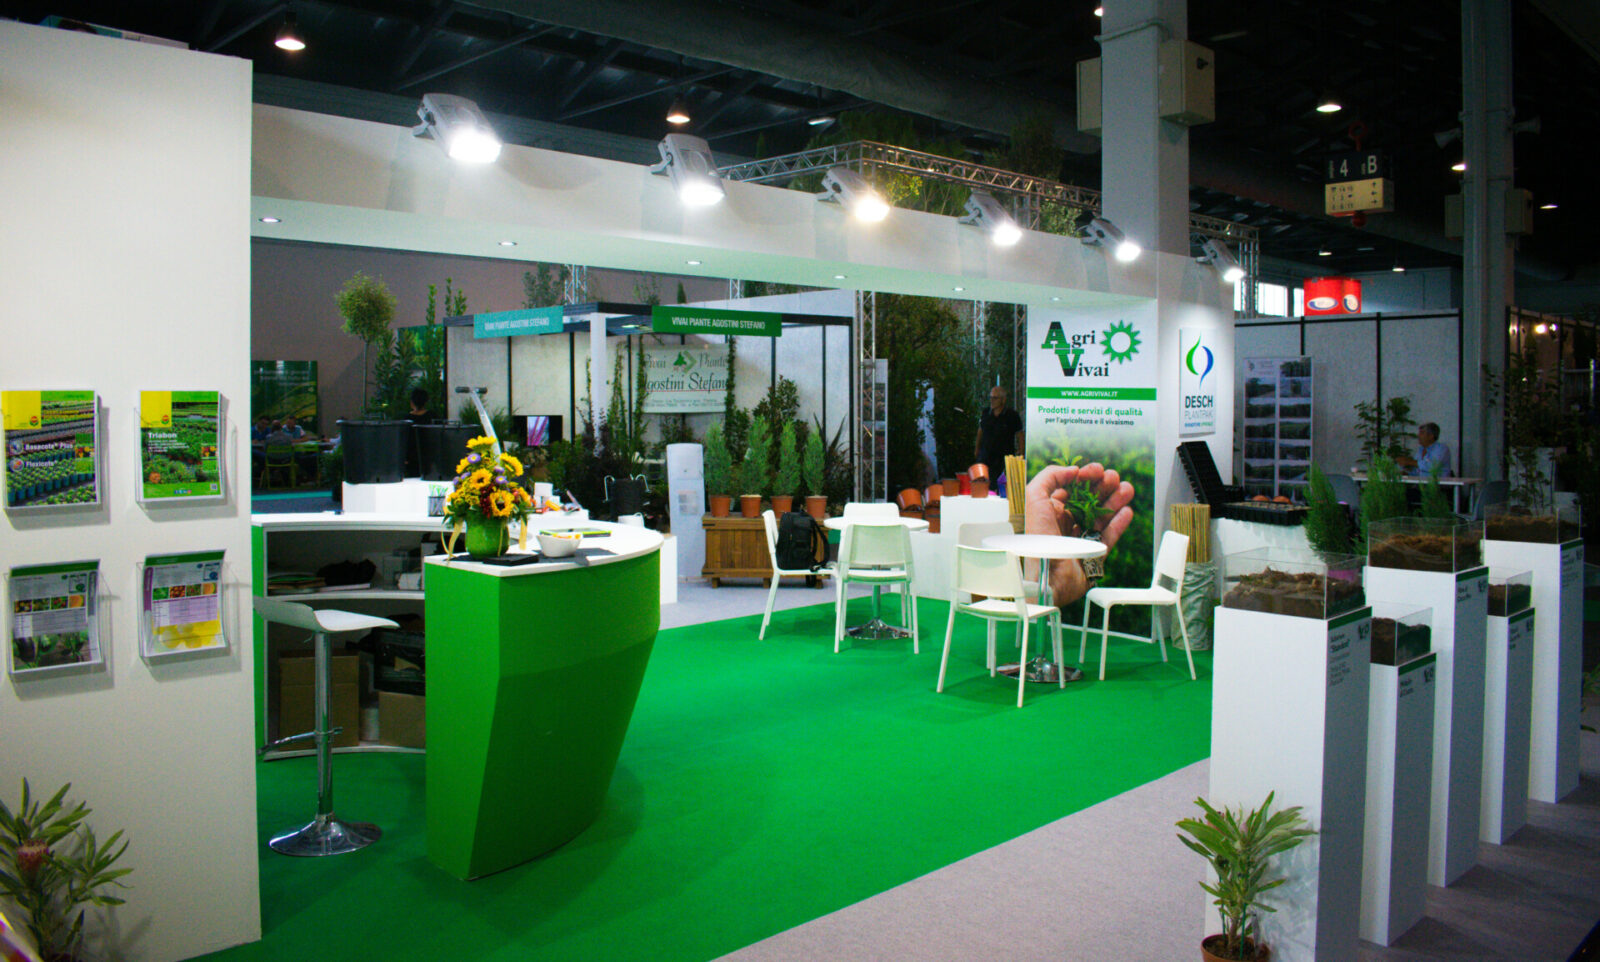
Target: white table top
{"x":1056,"y":547}
{"x":623,"y":542}
{"x":1360,"y":477}
{"x":839,"y":524}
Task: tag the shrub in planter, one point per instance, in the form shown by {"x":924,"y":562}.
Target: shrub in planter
{"x":1240,"y":847}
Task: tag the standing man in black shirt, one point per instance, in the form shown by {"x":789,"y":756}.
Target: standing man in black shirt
{"x":999,"y":434}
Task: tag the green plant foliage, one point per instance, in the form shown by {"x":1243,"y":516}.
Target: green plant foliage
{"x":1327,"y":523}
{"x":920,"y":336}
{"x":1533,"y":420}
{"x":718,"y":463}
{"x":811,"y":464}
{"x":787,"y":479}
{"x":414,"y":357}
{"x":1384,"y":494}
{"x":899,"y":189}
{"x":838,"y":474}
{"x":1435,"y":504}
{"x":1386,"y":429}
{"x":52,"y":866}
{"x":367,"y":306}
{"x":546,"y":286}
{"x":1240,"y":847}
{"x":755,"y":475}
{"x":735,"y":419}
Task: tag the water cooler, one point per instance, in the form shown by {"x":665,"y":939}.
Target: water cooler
{"x":686,"y":503}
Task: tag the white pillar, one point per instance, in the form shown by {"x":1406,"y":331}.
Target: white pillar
{"x":1144,"y":163}
{"x":599,"y":372}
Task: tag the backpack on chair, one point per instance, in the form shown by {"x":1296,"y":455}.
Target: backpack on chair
{"x":800,"y":542}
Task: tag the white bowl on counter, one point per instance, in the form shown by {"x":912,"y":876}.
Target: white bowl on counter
{"x":558,"y":545}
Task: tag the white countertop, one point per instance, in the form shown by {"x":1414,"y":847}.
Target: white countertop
{"x":623,"y":542}
{"x":357,"y":521}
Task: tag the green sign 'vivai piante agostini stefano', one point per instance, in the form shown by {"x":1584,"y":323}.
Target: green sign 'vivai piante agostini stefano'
{"x":708,"y":320}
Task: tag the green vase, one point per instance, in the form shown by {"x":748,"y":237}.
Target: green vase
{"x":488,"y":538}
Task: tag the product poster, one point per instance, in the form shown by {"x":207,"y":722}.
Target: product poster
{"x":178,"y":434}
{"x":686,"y":378}
{"x":1277,"y":425}
{"x":281,"y":388}
{"x":1092,"y":379}
{"x":182,"y":597}
{"x":53,"y":623}
{"x":1197,"y":383}
{"x":50,"y":448}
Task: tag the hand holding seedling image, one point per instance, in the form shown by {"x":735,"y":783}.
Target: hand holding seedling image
{"x":1072,"y":500}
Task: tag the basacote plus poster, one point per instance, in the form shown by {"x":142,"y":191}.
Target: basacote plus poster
{"x":50,"y":448}
{"x":178,"y":445}
{"x":1091,"y":424}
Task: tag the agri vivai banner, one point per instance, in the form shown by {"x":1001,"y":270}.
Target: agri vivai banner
{"x":1092,"y":379}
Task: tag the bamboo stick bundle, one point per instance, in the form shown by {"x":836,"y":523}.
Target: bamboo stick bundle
{"x":1016,"y":481}
{"x":1194,"y":520}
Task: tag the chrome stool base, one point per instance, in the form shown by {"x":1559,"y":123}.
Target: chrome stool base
{"x":326,"y":835}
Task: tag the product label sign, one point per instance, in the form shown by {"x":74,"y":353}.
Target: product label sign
{"x":1197,"y":383}
{"x":1572,"y":566}
{"x":1472,"y":584}
{"x":1345,"y":640}
{"x":530,"y":320}
{"x":1519,"y":628}
{"x":707,"y":320}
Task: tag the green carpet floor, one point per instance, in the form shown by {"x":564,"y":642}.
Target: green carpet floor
{"x":762,"y":784}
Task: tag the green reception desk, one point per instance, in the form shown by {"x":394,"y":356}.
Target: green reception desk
{"x":533,"y":672}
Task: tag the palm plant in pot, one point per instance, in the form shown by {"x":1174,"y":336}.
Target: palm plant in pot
{"x":1240,"y":847}
{"x":787,"y":481}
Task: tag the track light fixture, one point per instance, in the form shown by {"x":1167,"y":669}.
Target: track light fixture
{"x":1216,"y":254}
{"x":678,"y":113}
{"x":459,"y":127}
{"x":985,"y":212}
{"x":1102,"y":233}
{"x":289,"y":34}
{"x":855,"y":193}
{"x":687,"y":161}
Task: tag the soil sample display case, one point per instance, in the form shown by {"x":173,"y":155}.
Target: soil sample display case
{"x":1399,"y":773}
{"x":1508,"y":522}
{"x":1425,"y":544}
{"x":1283,"y":581}
{"x":1289,"y":714}
{"x":1459,"y":600}
{"x":1557,"y":656}
{"x":1507,"y":705}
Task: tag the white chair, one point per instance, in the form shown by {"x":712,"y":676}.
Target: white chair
{"x":865,"y":510}
{"x":997,"y":575}
{"x":326,"y":834}
{"x":771,"y":521}
{"x":973,"y":534}
{"x":1169,"y":569}
{"x":876,"y":553}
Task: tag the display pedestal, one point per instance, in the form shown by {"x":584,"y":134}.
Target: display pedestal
{"x":1394,"y":872}
{"x":1507,"y":715}
{"x":932,"y":551}
{"x":1557,"y":658}
{"x":1289,"y":715}
{"x":408,"y":497}
{"x":1460,"y":603}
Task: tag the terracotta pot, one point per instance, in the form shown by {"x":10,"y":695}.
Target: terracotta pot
{"x":720,"y":505}
{"x":950,"y":486}
{"x":933,"y":523}
{"x":782,"y":504}
{"x":817,"y":507}
{"x":980,"y":487}
{"x":750,"y":505}
{"x":1262,"y":953}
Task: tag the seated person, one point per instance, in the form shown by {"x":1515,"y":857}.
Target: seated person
{"x":1432,"y":454}
{"x":291,"y":427}
{"x":419,"y":408}
{"x":258,"y":441}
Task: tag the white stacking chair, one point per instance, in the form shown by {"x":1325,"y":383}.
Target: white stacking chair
{"x":973,"y":534}
{"x":876,"y":553}
{"x":1169,"y":570}
{"x":997,"y":575}
{"x":865,"y":510}
{"x":771,"y":521}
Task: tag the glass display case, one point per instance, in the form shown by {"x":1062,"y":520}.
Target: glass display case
{"x":1400,"y":633}
{"x":1509,"y":591}
{"x":1425,"y":544}
{"x":1509,"y":522}
{"x":1282,"y":581}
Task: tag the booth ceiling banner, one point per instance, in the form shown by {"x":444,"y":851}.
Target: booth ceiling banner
{"x":686,"y":378}
{"x":714,"y":320}
{"x":1092,"y":398}
{"x":528,"y":320}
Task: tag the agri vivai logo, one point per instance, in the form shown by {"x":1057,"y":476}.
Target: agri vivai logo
{"x":1119,"y":342}
{"x":1205,"y":362}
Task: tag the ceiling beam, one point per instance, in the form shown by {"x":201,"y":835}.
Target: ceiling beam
{"x":457,"y":64}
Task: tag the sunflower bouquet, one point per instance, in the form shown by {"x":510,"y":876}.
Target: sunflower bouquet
{"x":486,"y":496}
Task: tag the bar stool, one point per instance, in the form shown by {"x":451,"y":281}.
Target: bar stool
{"x":326,"y":834}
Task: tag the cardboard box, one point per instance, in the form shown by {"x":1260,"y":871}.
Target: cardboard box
{"x":401,"y":720}
{"x":297,"y":693}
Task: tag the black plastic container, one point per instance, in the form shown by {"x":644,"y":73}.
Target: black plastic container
{"x":374,"y":451}
{"x":626,"y":494}
{"x":440,"y":447}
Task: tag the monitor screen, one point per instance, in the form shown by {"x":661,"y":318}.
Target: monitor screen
{"x":537,"y":430}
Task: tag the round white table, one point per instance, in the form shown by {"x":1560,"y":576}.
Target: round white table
{"x":877,"y":627}
{"x":1046,"y":548}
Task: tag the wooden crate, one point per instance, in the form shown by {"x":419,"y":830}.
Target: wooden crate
{"x":736,"y":547}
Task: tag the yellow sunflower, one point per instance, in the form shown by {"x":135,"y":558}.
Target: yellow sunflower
{"x":512,"y":465}
{"x":482,"y":444}
{"x":500,"y":503}
{"x":479,"y":479}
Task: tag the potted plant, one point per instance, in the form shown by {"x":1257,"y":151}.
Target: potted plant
{"x":719,"y":472}
{"x":1240,"y":847}
{"x":52,"y":867}
{"x":787,"y":480}
{"x":811,"y":471}
{"x":754,"y":474}
{"x":485,"y":499}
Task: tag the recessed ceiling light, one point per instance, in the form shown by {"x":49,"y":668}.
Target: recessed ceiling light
{"x":838,"y":277}
{"x":692,"y":263}
{"x":960,"y":288}
{"x":1459,"y":166}
{"x":270,"y":220}
{"x":1055,"y":298}
{"x":508,"y":243}
{"x":1549,"y":206}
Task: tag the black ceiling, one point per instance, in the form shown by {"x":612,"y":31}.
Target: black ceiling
{"x":964,"y":69}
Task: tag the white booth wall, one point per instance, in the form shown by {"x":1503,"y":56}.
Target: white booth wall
{"x":124,"y":255}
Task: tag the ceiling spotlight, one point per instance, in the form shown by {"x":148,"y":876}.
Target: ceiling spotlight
{"x":820,"y":120}
{"x":686,"y":159}
{"x":985,"y":212}
{"x":1549,"y":206}
{"x":1329,"y":105}
{"x":1459,"y":166}
{"x":1216,"y":254}
{"x":1102,"y":233}
{"x":289,"y":35}
{"x":845,"y":186}
{"x":459,"y":127}
{"x":1099,"y":11}
{"x":678,"y":113}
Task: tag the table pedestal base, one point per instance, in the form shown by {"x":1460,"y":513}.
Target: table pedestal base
{"x":1042,"y":671}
